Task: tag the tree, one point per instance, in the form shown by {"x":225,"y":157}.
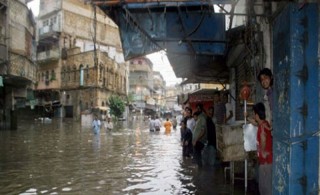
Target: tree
{"x":130,"y":98}
{"x":117,"y":106}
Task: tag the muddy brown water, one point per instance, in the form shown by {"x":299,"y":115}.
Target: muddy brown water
{"x":62,"y":157}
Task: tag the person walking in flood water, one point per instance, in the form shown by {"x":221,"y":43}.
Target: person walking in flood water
{"x":152,"y":123}
{"x":109,"y":125}
{"x":96,"y":125}
{"x":167,"y":125}
{"x":157,"y":123}
{"x":174,"y":122}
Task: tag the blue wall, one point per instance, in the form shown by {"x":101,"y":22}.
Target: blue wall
{"x":296,"y":100}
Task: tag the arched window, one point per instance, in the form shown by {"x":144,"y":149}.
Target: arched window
{"x":47,"y":75}
{"x":102,"y":103}
{"x":101,"y":72}
{"x":117,"y":81}
{"x":81,"y":106}
{"x":53,"y":75}
{"x":63,"y":74}
{"x":107,"y":77}
{"x":87,"y":71}
{"x":81,"y":75}
{"x":69,"y":76}
{"x":74,"y":73}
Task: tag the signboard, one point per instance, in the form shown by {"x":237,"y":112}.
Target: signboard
{"x":200,"y":98}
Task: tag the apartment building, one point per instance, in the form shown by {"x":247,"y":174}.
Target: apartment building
{"x":80,"y":58}
{"x":17,"y":67}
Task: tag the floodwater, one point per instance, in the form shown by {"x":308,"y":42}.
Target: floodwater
{"x":61,"y":157}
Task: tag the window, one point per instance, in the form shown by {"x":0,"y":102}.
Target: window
{"x":101,"y":72}
{"x":81,"y":75}
{"x":69,"y":77}
{"x":53,"y":75}
{"x":63,"y":74}
{"x":87,"y":71}
{"x":47,"y":75}
{"x":45,"y":23}
{"x":53,"y":20}
{"x":81,"y":106}
{"x":74,"y":73}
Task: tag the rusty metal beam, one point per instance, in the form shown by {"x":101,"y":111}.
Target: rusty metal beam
{"x":115,"y":2}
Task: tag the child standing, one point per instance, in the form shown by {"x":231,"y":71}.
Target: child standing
{"x":264,"y":149}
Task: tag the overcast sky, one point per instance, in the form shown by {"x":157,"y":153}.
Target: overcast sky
{"x":159,"y":60}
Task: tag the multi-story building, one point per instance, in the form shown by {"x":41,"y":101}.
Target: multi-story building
{"x":159,"y":86}
{"x":80,"y":57}
{"x":141,"y":83}
{"x":172,"y":93}
{"x":17,"y":67}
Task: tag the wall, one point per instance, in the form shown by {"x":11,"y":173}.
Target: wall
{"x":79,"y":21}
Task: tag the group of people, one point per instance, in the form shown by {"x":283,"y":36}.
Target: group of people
{"x":198,"y":133}
{"x":198,"y":130}
{"x":96,"y":125}
{"x":155,"y":124}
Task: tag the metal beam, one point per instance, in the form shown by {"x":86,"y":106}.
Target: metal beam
{"x":121,"y":2}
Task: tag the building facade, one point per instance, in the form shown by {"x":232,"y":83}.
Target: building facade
{"x":141,"y":83}
{"x":80,"y":58}
{"x":17,"y":67}
{"x":159,"y":86}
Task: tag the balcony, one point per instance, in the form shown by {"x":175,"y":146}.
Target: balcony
{"x":48,"y":30}
{"x":49,"y":55}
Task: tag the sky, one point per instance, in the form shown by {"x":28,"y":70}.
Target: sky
{"x":162,"y":64}
{"x":159,"y":59}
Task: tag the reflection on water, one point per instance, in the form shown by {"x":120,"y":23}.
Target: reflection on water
{"x":63,"y":157}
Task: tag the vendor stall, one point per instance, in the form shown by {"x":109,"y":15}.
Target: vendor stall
{"x":236,"y":143}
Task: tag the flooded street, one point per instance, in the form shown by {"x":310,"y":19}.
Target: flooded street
{"x":62,"y":157}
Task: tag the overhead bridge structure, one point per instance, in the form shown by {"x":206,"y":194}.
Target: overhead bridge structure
{"x":192,"y":33}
